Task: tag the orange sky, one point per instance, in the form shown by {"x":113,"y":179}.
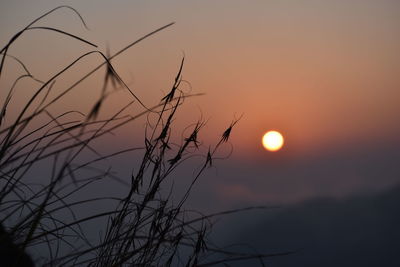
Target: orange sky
{"x":320,"y":72}
{"x":325,"y":73}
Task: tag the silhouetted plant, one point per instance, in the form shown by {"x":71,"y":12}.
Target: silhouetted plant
{"x":143,"y":227}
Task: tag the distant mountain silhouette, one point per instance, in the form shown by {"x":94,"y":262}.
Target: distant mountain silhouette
{"x":357,"y":231}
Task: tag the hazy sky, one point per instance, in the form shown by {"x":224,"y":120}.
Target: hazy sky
{"x":324,"y":73}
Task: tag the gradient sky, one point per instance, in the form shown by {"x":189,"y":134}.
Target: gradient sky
{"x":324,"y":73}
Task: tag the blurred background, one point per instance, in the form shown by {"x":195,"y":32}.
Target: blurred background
{"x":323,"y":73}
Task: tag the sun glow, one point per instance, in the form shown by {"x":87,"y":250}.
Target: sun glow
{"x":272,"y":141}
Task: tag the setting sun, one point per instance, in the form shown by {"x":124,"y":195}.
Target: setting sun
{"x":272,"y":141}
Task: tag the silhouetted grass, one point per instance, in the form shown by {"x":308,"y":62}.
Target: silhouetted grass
{"x":142,"y":227}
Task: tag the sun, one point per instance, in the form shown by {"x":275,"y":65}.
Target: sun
{"x":272,"y":141}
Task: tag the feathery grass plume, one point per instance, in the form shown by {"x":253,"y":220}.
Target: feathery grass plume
{"x":170,"y":96}
{"x":209,"y":158}
{"x":51,"y":167}
{"x":227,"y":132}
